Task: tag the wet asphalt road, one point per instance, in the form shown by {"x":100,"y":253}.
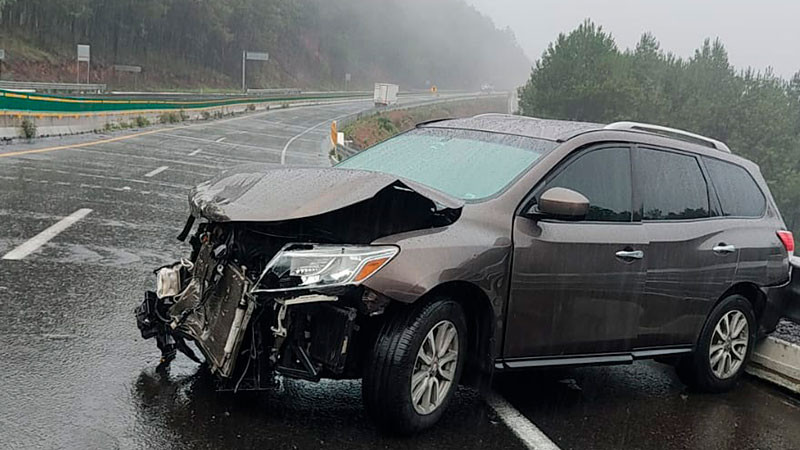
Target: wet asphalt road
{"x":77,"y":375}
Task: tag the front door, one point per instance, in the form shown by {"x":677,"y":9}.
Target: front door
{"x":576,"y":285}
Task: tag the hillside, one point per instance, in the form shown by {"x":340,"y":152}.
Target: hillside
{"x":312,"y":43}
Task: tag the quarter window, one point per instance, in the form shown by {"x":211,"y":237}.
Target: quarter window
{"x":672,"y":186}
{"x":604,"y":177}
{"x":738,"y":193}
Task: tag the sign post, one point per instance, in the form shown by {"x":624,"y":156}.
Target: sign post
{"x":2,"y":58}
{"x":252,"y":56}
{"x":84,"y":55}
{"x":346,"y":80}
{"x":135,"y":70}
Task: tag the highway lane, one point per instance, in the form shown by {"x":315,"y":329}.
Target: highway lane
{"x":76,"y":373}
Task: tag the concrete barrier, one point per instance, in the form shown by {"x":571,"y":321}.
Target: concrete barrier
{"x":52,"y":124}
{"x":778,"y":362}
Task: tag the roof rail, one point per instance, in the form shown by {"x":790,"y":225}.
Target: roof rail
{"x":669,"y":132}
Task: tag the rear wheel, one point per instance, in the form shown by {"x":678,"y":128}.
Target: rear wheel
{"x":415,"y":366}
{"x":723,"y":349}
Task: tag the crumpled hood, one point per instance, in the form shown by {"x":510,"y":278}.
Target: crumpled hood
{"x":266,"y":193}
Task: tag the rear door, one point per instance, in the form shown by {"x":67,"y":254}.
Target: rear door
{"x":692,"y":257}
{"x":570,"y":292}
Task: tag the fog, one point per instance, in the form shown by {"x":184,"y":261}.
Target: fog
{"x":756,"y":34}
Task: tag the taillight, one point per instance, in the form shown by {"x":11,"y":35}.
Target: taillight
{"x":787,"y":239}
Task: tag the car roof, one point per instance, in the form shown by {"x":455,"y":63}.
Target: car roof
{"x":564,"y":130}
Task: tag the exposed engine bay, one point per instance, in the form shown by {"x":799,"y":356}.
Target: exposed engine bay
{"x":260,"y":298}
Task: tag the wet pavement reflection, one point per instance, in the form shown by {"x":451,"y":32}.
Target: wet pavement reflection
{"x":644,"y":406}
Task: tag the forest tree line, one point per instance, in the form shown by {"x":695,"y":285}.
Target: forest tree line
{"x":584,"y":76}
{"x":311,"y":42}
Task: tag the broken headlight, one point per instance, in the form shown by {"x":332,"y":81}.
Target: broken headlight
{"x":304,"y":266}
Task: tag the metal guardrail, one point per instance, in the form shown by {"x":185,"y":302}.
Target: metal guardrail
{"x":17,"y":103}
{"x":51,"y":87}
{"x":273,"y":91}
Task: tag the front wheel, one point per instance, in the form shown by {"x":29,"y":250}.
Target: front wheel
{"x":415,"y":366}
{"x":723,"y":349}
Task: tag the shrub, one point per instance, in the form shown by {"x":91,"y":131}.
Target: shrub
{"x":28,"y":128}
{"x":141,"y":121}
{"x":385,"y":124}
{"x":169,"y":117}
{"x":206,"y":115}
{"x":251,"y":107}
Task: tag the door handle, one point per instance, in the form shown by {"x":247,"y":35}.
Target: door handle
{"x":630,"y":254}
{"x":724,"y":248}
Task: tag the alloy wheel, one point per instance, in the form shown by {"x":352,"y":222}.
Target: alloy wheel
{"x":434,"y":367}
{"x":729,"y":343}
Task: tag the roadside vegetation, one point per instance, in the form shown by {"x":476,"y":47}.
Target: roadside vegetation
{"x":28,"y":128}
{"x":584,"y":76}
{"x":312,"y":43}
{"x":375,"y":128}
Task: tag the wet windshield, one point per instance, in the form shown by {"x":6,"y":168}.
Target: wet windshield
{"x":470,"y":165}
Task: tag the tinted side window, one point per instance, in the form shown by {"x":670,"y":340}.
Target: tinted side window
{"x":738,"y":193}
{"x":604,"y":177}
{"x":672,"y":186}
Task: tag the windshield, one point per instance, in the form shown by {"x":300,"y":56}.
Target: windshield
{"x":470,"y":165}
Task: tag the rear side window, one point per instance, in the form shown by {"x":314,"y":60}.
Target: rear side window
{"x":672,"y":186}
{"x":604,"y":177}
{"x":738,"y":193}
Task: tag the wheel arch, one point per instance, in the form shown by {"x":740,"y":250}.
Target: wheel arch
{"x":481,"y":323}
{"x":750,"y":291}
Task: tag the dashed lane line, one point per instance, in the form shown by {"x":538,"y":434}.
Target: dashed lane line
{"x":155,"y":172}
{"x":530,"y":434}
{"x":195,"y":152}
{"x":220,"y":139}
{"x":42,"y":238}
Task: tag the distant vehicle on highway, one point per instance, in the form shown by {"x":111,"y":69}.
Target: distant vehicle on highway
{"x":385,"y":94}
{"x":487,"y":88}
{"x":467,"y":246}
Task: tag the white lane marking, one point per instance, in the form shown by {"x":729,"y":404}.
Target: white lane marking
{"x":155,"y":172}
{"x":220,"y":139}
{"x":195,"y":152}
{"x":530,"y":435}
{"x":307,"y":130}
{"x":42,"y":238}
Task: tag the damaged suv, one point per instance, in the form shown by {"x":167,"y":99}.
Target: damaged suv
{"x":469,"y":246}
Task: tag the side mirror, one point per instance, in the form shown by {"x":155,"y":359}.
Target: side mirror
{"x":562,"y":203}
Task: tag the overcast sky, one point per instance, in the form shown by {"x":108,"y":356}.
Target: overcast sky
{"x":756,"y":33}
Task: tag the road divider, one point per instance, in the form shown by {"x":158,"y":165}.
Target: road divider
{"x":778,"y":362}
{"x":25,"y":115}
{"x":45,"y":236}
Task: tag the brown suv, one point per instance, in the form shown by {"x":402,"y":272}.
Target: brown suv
{"x":469,"y":246}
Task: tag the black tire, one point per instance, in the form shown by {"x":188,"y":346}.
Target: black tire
{"x":695,"y":370}
{"x":386,"y":388}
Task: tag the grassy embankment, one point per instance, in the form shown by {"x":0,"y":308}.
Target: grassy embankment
{"x":372,"y":129}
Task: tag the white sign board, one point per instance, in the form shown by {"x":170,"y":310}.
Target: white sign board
{"x":347,"y":77}
{"x":257,"y":56}
{"x":2,"y":54}
{"x":83,"y":53}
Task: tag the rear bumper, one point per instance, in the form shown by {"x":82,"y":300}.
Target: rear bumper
{"x":782,"y":302}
